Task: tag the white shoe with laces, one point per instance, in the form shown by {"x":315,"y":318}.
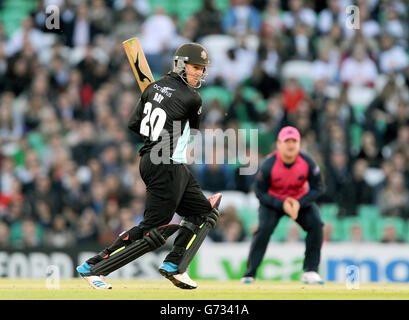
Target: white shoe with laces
{"x":185,"y":279}
{"x":311,"y":277}
{"x":97,"y":282}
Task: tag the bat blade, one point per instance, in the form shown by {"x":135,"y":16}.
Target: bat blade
{"x":139,"y":64}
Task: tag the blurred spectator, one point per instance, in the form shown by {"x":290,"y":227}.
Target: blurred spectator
{"x":385,"y":107}
{"x":26,"y":234}
{"x":237,"y":65}
{"x":293,"y":233}
{"x":338,"y":178}
{"x":355,"y":233}
{"x":241,"y":19}
{"x":241,"y":109}
{"x":394,"y":198}
{"x":401,"y":141}
{"x":393,"y":24}
{"x":6,"y":176}
{"x":137,"y":209}
{"x":394,"y":124}
{"x":265,"y":77}
{"x":272,"y":22}
{"x":157,"y":32}
{"x":115,"y":190}
{"x":126,"y":220}
{"x":81,"y":30}
{"x":293,"y":94}
{"x":216,"y":177}
{"x":43,"y":191}
{"x":299,"y":13}
{"x":389,"y":234}
{"x":110,"y":160}
{"x":101,"y":17}
{"x":98,"y":196}
{"x":370,"y":150}
{"x":328,"y":232}
{"x":14,"y":195}
{"x":325,"y":68}
{"x":330,"y":16}
{"x":4,"y":235}
{"x":18,"y":75}
{"x":332,"y":43}
{"x":59,"y":72}
{"x":11,"y":126}
{"x":27,"y":36}
{"x":43,"y":213}
{"x":393,"y":57}
{"x":358,"y":191}
{"x":86,"y":230}
{"x":15,"y":212}
{"x":300,"y":44}
{"x":141,"y":7}
{"x":358,"y":69}
{"x":337,"y":139}
{"x":209,"y":20}
{"x":109,"y":222}
{"x":229,"y":227}
{"x":60,"y":235}
{"x":85,"y":147}
{"x":127,"y":26}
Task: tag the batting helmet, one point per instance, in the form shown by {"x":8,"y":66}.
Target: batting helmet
{"x":192,"y":53}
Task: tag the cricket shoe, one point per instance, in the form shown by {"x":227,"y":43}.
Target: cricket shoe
{"x":247,"y":280}
{"x":311,"y":277}
{"x":96,"y":282}
{"x":181,"y":280}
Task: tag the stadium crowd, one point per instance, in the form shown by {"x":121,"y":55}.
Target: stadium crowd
{"x":69,"y":166}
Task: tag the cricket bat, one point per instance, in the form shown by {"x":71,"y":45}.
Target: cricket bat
{"x":139,"y":65}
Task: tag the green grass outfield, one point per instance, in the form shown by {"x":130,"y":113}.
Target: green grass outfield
{"x":78,"y":289}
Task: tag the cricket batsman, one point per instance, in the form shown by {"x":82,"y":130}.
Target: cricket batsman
{"x":167,"y":110}
{"x":288,"y":182}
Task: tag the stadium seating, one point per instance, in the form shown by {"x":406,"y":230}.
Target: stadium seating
{"x":369,"y":212}
{"x":216,"y":92}
{"x":231,"y":198}
{"x":280,"y":232}
{"x":406,"y":236}
{"x":355,"y":133}
{"x":328,"y":211}
{"x":13,"y":12}
{"x":249,"y":217}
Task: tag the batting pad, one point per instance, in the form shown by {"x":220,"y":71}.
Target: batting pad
{"x":201,"y":233}
{"x":152,"y":240}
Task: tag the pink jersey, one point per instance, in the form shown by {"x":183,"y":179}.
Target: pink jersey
{"x":289,"y":182}
{"x":277,"y":181}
